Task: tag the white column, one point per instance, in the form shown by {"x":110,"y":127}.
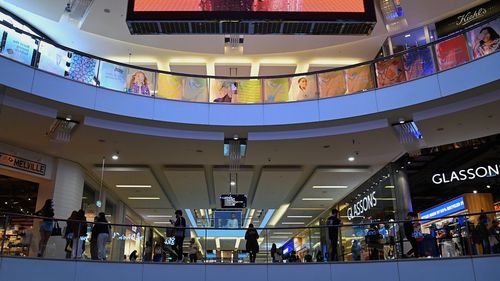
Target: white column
{"x":68,"y":192}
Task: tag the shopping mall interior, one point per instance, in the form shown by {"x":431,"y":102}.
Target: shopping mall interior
{"x":265,"y":114}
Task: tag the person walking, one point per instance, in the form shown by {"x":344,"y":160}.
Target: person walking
{"x":409,"y":229}
{"x":252,"y":246}
{"x":193,"y":251}
{"x":79,"y":234}
{"x":93,"y":241}
{"x":333,"y":223}
{"x":102,"y":232}
{"x":179,"y":234}
{"x":68,"y":234}
{"x":47,"y":212}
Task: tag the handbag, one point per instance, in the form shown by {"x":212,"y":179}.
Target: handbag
{"x":56,"y":230}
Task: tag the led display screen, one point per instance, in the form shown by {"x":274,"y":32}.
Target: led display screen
{"x":309,"y":10}
{"x":345,"y":6}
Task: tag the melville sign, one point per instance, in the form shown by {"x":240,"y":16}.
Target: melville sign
{"x":19,"y":163}
{"x":467,"y":174}
{"x":467,"y":18}
{"x":362,"y":206}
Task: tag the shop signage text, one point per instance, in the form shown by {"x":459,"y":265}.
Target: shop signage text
{"x":467,"y":18}
{"x":363,"y":205}
{"x":133,"y":237}
{"x":19,"y":163}
{"x":467,"y":174}
{"x":445,"y":209}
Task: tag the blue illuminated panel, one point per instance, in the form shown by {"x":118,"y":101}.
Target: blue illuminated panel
{"x":445,"y":209}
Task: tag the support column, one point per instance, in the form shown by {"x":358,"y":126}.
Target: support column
{"x":68,"y":191}
{"x":403,"y":195}
{"x":118,"y":246}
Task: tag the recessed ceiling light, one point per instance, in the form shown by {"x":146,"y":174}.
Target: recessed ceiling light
{"x":329,"y":186}
{"x":283,"y":233}
{"x":299,"y":217}
{"x":161,"y":222}
{"x":235,"y":137}
{"x":144,"y":198}
{"x":134,"y":185}
{"x":317,"y":199}
{"x":115,"y":156}
{"x":351,"y":158}
{"x":475,"y":191}
{"x":488,"y":186}
{"x":233,"y":183}
{"x":389,"y":186}
{"x":279,"y":237}
{"x":68,"y":118}
{"x":292,"y":222}
{"x":407,"y":35}
{"x":159,"y":216}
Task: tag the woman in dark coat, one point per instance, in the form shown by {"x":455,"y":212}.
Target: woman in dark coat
{"x":252,"y":245}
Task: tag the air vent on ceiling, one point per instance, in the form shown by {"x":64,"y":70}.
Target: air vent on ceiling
{"x":144,"y":28}
{"x":235,"y":27}
{"x":77,"y":11}
{"x":296,"y":28}
{"x":267,"y":27}
{"x":174,"y":27}
{"x":205,"y":27}
{"x":60,"y":130}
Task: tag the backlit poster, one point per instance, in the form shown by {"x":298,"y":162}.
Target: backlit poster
{"x":359,"y":78}
{"x":82,"y":69}
{"x":332,"y":84}
{"x":303,"y":88}
{"x":52,"y":58}
{"x":112,"y":76}
{"x":390,"y":71}
{"x":418,"y":63}
{"x":452,"y":52}
{"x":485,"y":39}
{"x":235,"y":91}
{"x":19,"y":47}
{"x":249,"y":91}
{"x":182,"y":88}
{"x":140,"y":82}
{"x":276,"y":90}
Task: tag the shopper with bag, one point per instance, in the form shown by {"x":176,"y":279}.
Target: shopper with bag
{"x":179,"y":234}
{"x":252,"y":245}
{"x":47,"y":212}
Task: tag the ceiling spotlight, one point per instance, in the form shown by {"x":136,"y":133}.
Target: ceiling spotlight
{"x":233,"y":183}
{"x":475,"y":191}
{"x":115,"y":156}
{"x":401,"y":120}
{"x":488,"y":186}
{"x":236,"y":137}
{"x":351,"y":158}
{"x":68,"y":118}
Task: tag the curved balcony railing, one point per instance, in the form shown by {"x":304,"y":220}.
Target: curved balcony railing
{"x":409,"y":65}
{"x":440,"y":237}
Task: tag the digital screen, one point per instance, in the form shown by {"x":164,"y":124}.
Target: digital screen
{"x":337,"y":6}
{"x":227,"y":219}
{"x":294,"y":10}
{"x":233,"y":201}
{"x":445,"y":209}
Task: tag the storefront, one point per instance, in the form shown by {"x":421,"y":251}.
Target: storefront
{"x":25,"y":184}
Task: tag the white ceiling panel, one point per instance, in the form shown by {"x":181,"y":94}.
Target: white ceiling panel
{"x":200,"y":69}
{"x":267,"y":70}
{"x":232,"y":70}
{"x":221,"y":182}
{"x":189,"y":186}
{"x":274,"y":185}
{"x":135,"y":176}
{"x":349,"y":176}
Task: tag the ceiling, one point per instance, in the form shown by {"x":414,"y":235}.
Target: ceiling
{"x":106,"y":35}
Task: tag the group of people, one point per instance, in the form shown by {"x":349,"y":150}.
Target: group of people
{"x":75,"y":233}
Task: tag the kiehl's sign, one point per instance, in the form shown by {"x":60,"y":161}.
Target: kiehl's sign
{"x":19,"y":163}
{"x":467,"y":18}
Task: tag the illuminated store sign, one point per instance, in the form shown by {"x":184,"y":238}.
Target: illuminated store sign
{"x":467,"y":174}
{"x":19,"y":163}
{"x":445,"y":209}
{"x":363,"y":205}
{"x":133,"y":237}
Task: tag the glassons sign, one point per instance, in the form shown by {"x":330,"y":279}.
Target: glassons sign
{"x":467,"y":174}
{"x":363,"y":205}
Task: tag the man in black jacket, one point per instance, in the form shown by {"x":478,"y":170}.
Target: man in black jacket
{"x":409,"y":230}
